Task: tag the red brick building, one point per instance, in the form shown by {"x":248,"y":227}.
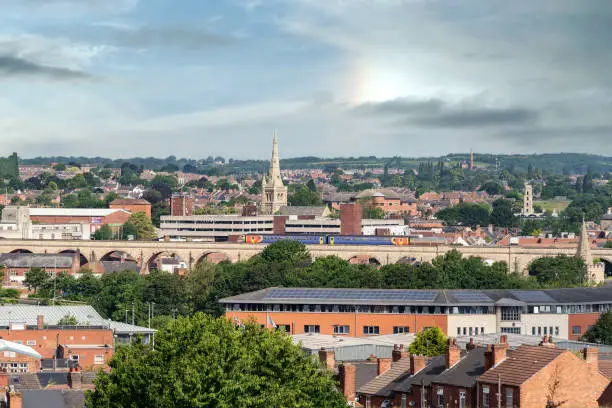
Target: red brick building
{"x":181,"y":205}
{"x":95,"y":217}
{"x":17,"y":264}
{"x":132,"y":205}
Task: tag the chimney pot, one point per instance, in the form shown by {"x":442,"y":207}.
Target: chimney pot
{"x":453,"y":353}
{"x":327,"y":358}
{"x":417,"y":363}
{"x":591,"y":357}
{"x":470,"y":346}
{"x":40,"y":322}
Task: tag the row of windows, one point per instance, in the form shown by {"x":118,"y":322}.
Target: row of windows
{"x":14,"y":367}
{"x":577,"y":330}
{"x":318,"y":308}
{"x":545,"y":330}
{"x":486,"y":397}
{"x":472,"y":331}
{"x":344,"y":329}
{"x":508,"y":313}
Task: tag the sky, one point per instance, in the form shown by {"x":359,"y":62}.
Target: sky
{"x":193,"y":78}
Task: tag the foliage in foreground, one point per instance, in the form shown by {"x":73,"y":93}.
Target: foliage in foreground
{"x":601,"y":332}
{"x":206,"y":362}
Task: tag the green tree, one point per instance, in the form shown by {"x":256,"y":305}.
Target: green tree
{"x":144,"y":226}
{"x":502,"y":214}
{"x":305,"y":197}
{"x":104,"y":233}
{"x":78,"y":181}
{"x":600,"y":332}
{"x":59,"y":167}
{"x":430,"y":342}
{"x":35,"y":278}
{"x":129,"y":230}
{"x":207,"y":362}
{"x":311,"y":185}
{"x":559,"y":271}
{"x":285,"y":250}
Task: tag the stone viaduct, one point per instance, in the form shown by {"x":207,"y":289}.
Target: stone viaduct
{"x":145,"y":252}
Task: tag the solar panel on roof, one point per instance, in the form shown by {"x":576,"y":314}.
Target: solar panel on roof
{"x":352,"y":294}
{"x":471,"y":297}
{"x":532,"y":296}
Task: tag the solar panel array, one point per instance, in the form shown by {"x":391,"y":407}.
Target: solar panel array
{"x":464,"y":296}
{"x":532,"y":296}
{"x":352,"y":294}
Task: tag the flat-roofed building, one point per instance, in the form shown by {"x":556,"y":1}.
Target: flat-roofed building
{"x":95,"y":217}
{"x":561,"y":313}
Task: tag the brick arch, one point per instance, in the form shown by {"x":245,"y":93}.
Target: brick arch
{"x":155,"y":256}
{"x":118,"y":254}
{"x":82,"y":258}
{"x":214,"y":257}
{"x":364,"y":259}
{"x":21,"y":251}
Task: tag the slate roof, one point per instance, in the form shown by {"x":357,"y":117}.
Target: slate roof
{"x":364,"y":373}
{"x":53,"y":398}
{"x":466,"y":371}
{"x":521,"y":364}
{"x":26,"y":260}
{"x":435,"y":366}
{"x":420,"y":297}
{"x":382,"y":385}
{"x":118,"y":266}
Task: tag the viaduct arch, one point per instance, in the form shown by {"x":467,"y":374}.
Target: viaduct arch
{"x":518,"y":258}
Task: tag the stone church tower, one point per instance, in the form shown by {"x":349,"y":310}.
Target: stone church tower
{"x":273,"y":192}
{"x":595,"y":271}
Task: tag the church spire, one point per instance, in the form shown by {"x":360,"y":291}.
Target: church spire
{"x":275,"y":175}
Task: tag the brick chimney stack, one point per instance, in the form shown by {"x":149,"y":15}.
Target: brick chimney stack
{"x":417,"y":363}
{"x":384,"y":364}
{"x":327,"y":358}
{"x":488,"y":358}
{"x":470,"y":346}
{"x":453,"y":353}
{"x":500,"y":350}
{"x":399,"y":352}
{"x":75,"y":378}
{"x":591,"y":356}
{"x":547,"y":341}
{"x":40,"y":322}
{"x":347,"y":381}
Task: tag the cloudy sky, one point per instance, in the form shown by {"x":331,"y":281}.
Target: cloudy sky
{"x":192,"y":78}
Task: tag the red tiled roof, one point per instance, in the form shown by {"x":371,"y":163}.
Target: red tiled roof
{"x":521,"y":364}
{"x":605,"y":367}
{"x":130,"y":201}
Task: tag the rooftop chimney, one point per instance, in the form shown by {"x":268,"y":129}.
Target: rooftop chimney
{"x":384,"y":364}
{"x":500,"y":350}
{"x":327,"y":358}
{"x":470,"y":346}
{"x":399,"y":352}
{"x":547,"y":341}
{"x":417,"y":363}
{"x":347,"y":381}
{"x":75,"y":379}
{"x":591,"y":356}
{"x":40,"y":322}
{"x":453,"y":353}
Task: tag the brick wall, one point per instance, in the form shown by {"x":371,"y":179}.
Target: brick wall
{"x":583,"y":321}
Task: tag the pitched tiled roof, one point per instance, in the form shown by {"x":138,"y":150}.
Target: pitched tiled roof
{"x":435,"y":366}
{"x":466,"y":371}
{"x":19,"y":260}
{"x":381,"y":385}
{"x":521,"y":364}
{"x":605,"y":367}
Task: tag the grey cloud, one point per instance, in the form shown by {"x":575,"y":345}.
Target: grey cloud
{"x":16,"y":66}
{"x":169,"y":36}
{"x":437,"y":113}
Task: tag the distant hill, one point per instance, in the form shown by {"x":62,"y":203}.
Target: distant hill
{"x":558,"y":163}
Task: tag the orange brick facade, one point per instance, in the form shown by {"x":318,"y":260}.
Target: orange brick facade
{"x":133,"y":208}
{"x":94,"y":347}
{"x":355,"y":321}
{"x":114,"y":219}
{"x":584,"y":321}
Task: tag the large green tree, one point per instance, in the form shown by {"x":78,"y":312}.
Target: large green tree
{"x":430,"y":342}
{"x":559,"y":271}
{"x":35,"y":278}
{"x":207,"y":362}
{"x":143,"y":225}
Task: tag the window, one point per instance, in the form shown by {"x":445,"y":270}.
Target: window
{"x":458,"y":331}
{"x":513,"y":330}
{"x":533,"y":331}
{"x":312,"y":328}
{"x":74,"y":357}
{"x":400,"y":329}
{"x":576,"y":330}
{"x":464,"y":331}
{"x":482,"y":330}
{"x":556,"y":330}
{"x":31,"y":342}
{"x":550,"y":330}
{"x":485,"y":397}
{"x":99,"y":359}
{"x":511,"y":313}
{"x":539,"y":330}
{"x":545,"y":330}
{"x":284,"y":328}
{"x":341,"y":330}
{"x":440,"y":393}
{"x":509,"y":398}
{"x":371,"y":330}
